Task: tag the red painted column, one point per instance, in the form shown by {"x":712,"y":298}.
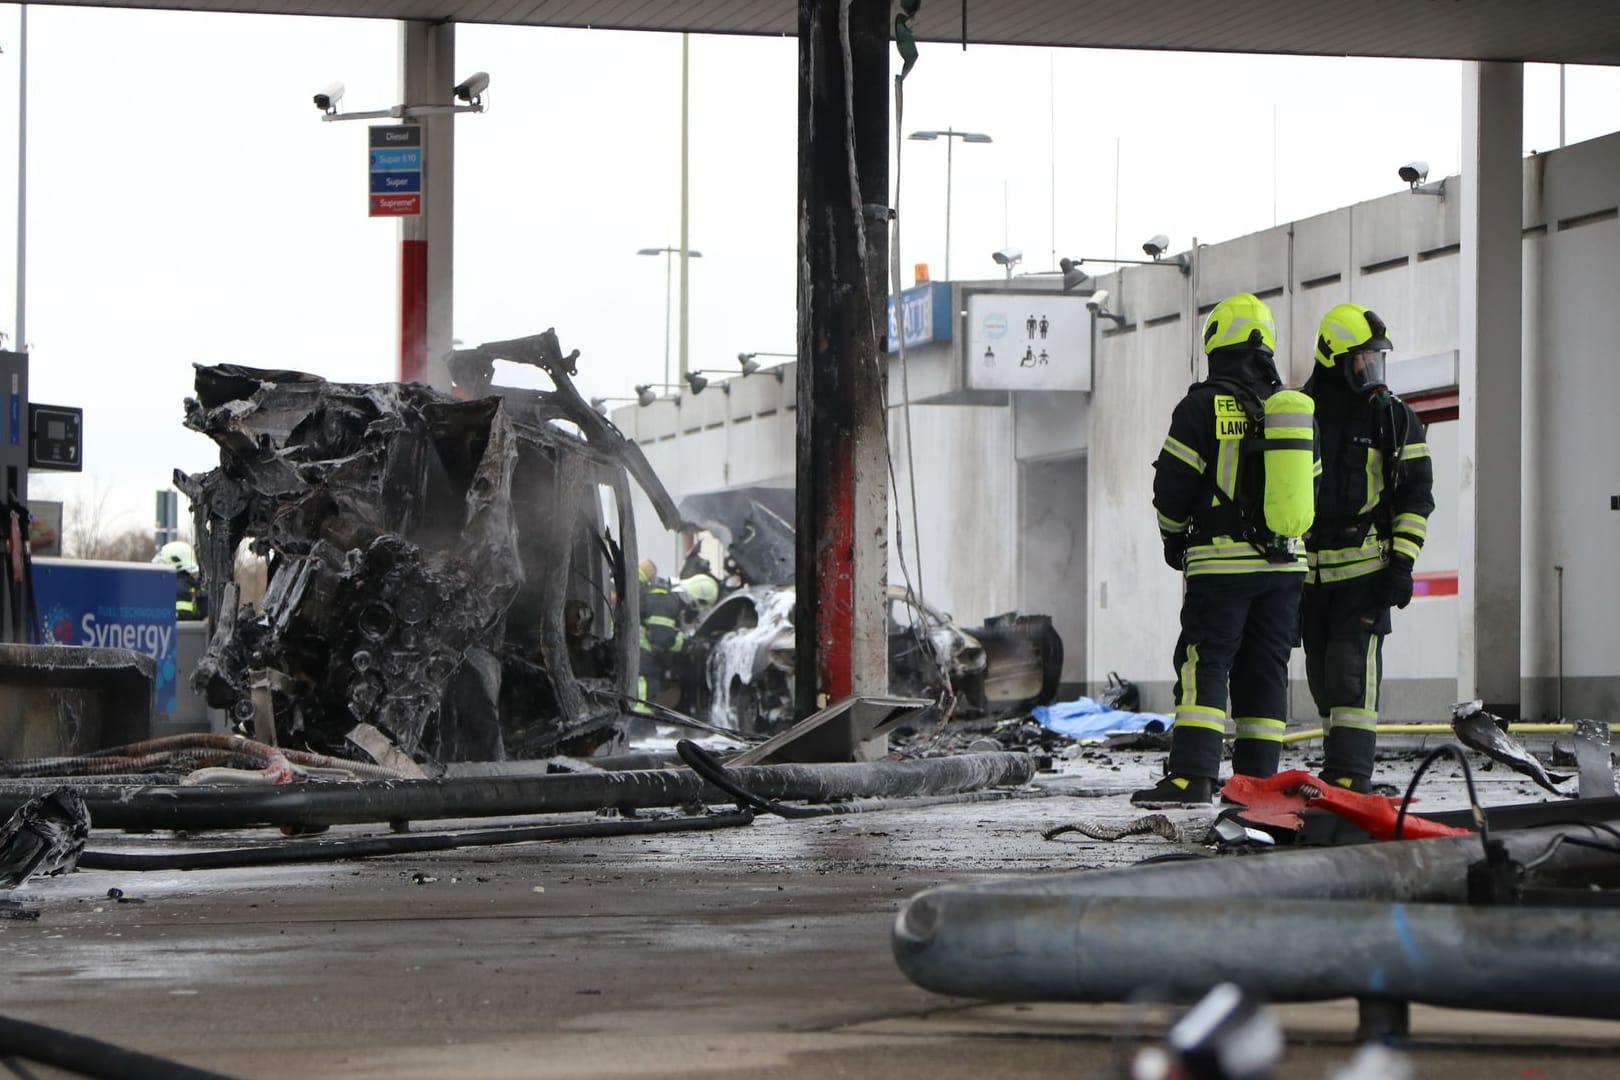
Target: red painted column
{"x":842,"y":487}
{"x":413,"y":310}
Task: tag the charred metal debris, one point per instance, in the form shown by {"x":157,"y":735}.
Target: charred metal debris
{"x":441,"y":566}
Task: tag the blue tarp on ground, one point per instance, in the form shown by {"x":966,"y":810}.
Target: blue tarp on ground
{"x":1087,"y":720}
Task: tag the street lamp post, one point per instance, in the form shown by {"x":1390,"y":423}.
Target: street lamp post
{"x":669,"y":254}
{"x":948,"y":134}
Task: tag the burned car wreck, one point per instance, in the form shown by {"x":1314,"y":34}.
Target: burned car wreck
{"x":448,"y":570}
{"x":741,"y":656}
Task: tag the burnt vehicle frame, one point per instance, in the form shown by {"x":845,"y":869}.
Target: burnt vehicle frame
{"x":439,"y":563}
{"x":735,"y":673}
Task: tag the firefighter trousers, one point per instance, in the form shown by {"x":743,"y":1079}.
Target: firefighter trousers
{"x":1236,"y":632}
{"x":1344,"y":627}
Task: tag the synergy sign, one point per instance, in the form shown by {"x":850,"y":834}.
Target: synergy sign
{"x":111,"y":605}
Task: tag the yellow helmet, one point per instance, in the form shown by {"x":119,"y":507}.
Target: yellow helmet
{"x":1353,"y":330}
{"x":1243,"y":319}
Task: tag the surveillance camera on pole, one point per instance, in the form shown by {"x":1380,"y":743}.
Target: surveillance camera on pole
{"x":1096,"y":300}
{"x":327,"y":100}
{"x":1009,"y":258}
{"x":471,"y":90}
{"x":1414,"y":173}
{"x":1157,"y":246}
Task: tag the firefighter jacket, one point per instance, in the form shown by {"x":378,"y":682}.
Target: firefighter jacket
{"x":189,"y":603}
{"x":661,"y":618}
{"x":1201,"y":474}
{"x":1377,"y":483}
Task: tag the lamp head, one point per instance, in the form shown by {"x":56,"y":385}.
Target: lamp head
{"x":696,"y":382}
{"x":1074,"y":278}
{"x":645,"y":395}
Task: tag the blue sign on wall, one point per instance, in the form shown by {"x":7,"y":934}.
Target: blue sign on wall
{"x":111,"y":605}
{"x":927,"y":315}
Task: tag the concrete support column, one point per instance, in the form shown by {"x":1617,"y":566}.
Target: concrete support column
{"x":427,"y":57}
{"x":842,"y":555}
{"x":1490,"y":494}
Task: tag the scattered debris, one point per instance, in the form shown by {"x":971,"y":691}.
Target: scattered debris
{"x":440,"y":568}
{"x":19,"y":908}
{"x":1150,"y":825}
{"x":742,"y":654}
{"x":1594,"y":760}
{"x":43,"y":837}
{"x":1121,"y":694}
{"x":1487,"y":733}
{"x":1280,"y":800}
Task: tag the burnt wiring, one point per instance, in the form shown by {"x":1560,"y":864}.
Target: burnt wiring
{"x":1577,"y":841}
{"x":1434,"y":755}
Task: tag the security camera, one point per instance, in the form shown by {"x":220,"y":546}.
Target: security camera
{"x":1414,"y":172}
{"x":1007,"y":256}
{"x":327,"y":100}
{"x":471,"y":90}
{"x":1157,"y":246}
{"x":1096,"y":300}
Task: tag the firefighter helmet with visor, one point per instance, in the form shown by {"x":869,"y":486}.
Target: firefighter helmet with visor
{"x":1355,"y":340}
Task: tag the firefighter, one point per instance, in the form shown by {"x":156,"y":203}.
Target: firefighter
{"x":698,"y":585}
{"x":661,"y":636}
{"x":1234,"y":491}
{"x":1372,"y":516}
{"x":190,"y":604}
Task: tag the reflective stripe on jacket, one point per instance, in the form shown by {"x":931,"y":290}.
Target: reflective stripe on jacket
{"x":1359,"y":523}
{"x":1196,"y":483}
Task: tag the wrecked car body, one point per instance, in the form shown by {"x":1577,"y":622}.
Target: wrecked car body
{"x":740,"y":660}
{"x":442,"y":567}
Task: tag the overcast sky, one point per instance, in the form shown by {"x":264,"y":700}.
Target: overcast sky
{"x":185,"y":203}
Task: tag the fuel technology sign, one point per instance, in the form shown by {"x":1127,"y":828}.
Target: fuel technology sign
{"x":396,"y":170}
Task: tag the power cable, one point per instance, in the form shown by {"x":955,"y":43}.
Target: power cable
{"x":709,"y":767}
{"x":1468,"y":778}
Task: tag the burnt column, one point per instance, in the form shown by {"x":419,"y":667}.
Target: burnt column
{"x":842,"y":553}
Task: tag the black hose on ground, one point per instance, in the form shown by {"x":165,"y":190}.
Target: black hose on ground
{"x":400,"y":844}
{"x":84,"y":1056}
{"x":199,"y":808}
{"x":709,"y":767}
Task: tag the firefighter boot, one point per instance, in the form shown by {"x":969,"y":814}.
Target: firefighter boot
{"x":1348,"y":758}
{"x":1174,"y":791}
{"x":1195,"y":758}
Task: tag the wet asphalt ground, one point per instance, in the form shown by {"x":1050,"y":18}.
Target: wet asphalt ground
{"x":760,"y":951}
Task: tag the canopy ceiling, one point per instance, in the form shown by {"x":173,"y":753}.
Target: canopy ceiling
{"x":1548,"y":31}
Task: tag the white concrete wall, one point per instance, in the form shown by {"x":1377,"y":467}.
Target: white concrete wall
{"x":1398,"y":255}
{"x":711,"y":442}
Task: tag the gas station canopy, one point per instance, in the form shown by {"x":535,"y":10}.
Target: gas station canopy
{"x":1548,"y":31}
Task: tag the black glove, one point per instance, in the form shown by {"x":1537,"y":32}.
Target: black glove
{"x":1398,"y":582}
{"x":1175,"y":550}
